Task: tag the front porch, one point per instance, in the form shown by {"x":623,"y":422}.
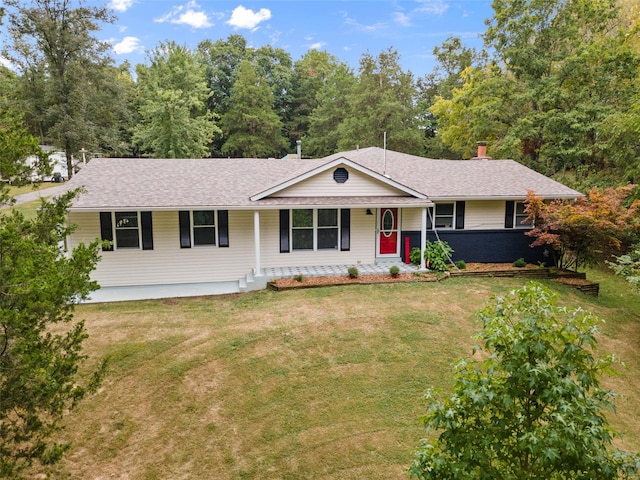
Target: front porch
{"x":381,"y":267}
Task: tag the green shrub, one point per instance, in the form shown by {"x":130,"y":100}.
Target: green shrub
{"x":520,"y":263}
{"x":436,"y":254}
{"x":394,"y":270}
{"x":298,"y":278}
{"x":414,"y":255}
{"x":353,"y":272}
{"x":461,"y":264}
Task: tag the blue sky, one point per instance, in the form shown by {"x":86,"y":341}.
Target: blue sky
{"x":346,"y":29}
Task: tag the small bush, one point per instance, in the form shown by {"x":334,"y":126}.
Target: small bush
{"x":414,"y":256}
{"x":394,"y":270}
{"x":298,"y":278}
{"x":436,"y":254}
{"x":353,"y":272}
{"x":461,"y":264}
{"x":520,"y":263}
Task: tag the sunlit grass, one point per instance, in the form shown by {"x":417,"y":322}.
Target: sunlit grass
{"x":28,"y":209}
{"x":34,"y":187}
{"x":315,"y":384}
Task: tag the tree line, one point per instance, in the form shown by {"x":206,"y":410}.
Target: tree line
{"x":555,"y":87}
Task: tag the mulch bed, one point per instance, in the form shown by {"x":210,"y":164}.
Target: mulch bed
{"x":310,"y":282}
{"x":576,"y":280}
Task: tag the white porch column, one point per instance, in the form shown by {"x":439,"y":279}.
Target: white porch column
{"x":256,"y":242}
{"x":423,"y":238}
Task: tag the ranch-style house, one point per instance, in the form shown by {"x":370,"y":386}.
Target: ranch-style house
{"x":184,"y":227}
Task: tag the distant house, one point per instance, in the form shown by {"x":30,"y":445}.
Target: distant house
{"x":57,"y":162}
{"x":197,"y":226}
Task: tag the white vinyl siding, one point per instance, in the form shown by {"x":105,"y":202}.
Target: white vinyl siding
{"x":484,"y":215}
{"x":362,"y":243}
{"x":412,"y":219}
{"x":478,"y":215}
{"x":167,"y":263}
{"x":323,"y":185}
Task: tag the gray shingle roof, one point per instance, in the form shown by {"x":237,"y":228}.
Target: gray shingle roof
{"x":461,"y":179}
{"x":117,"y":183}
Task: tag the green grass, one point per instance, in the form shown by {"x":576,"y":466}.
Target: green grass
{"x":28,"y":209}
{"x":303,"y":384}
{"x":31,"y":188}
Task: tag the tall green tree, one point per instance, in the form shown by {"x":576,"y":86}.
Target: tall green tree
{"x":332,"y":109}
{"x":251,"y":126}
{"x":112,"y":109}
{"x":482,"y":109}
{"x":40,"y":341}
{"x":310,"y":74}
{"x":173,"y":93}
{"x":452,"y":59}
{"x":534,"y":407}
{"x":383,"y":100}
{"x":16,"y":144}
{"x":276,"y":67}
{"x":221,"y":58}
{"x":56,"y":53}
{"x":562,"y":81}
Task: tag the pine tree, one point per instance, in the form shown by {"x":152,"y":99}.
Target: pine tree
{"x":251,"y":126}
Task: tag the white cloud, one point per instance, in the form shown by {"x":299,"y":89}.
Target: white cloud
{"x":6,"y":63}
{"x":402,"y":19}
{"x":246,"y":18}
{"x":120,"y":5}
{"x":437,"y":7}
{"x":317,"y":45}
{"x":190,"y":14}
{"x":194,"y":19}
{"x":127,"y":45}
{"x":367,"y":28}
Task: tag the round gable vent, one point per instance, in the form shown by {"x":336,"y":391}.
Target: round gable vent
{"x":340,"y":175}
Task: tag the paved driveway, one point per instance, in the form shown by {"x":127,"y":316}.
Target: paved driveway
{"x":35,"y":195}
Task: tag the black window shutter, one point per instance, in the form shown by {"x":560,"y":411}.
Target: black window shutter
{"x":430,"y":213}
{"x":284,"y":231}
{"x":147,"y":230}
{"x":345,"y":229}
{"x":460,"y":215}
{"x":508,"y":215}
{"x":185,"y":229}
{"x":223,"y":228}
{"x":106,"y":231}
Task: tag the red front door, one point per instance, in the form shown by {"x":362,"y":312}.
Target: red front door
{"x":388,"y":228}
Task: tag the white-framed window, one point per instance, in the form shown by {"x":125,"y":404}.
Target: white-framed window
{"x":445,"y":216}
{"x":315,"y":229}
{"x":127,"y":229}
{"x":203,"y":227}
{"x":520,"y":217}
